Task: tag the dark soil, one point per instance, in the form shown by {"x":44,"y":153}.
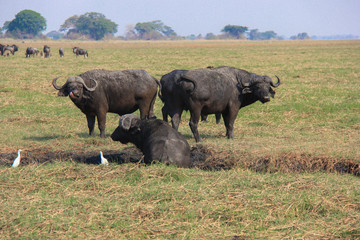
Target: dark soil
{"x":44,"y":156}
{"x":203,"y":158}
{"x":292,"y":162}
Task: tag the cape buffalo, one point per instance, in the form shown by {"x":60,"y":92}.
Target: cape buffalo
{"x":6,"y":50}
{"x":171,"y":95}
{"x":222,"y":90}
{"x":155,"y":138}
{"x":46,"y":51}
{"x":31,"y":51}
{"x":78,"y":51}
{"x":61,"y":52}
{"x":99,"y":91}
{"x":2,"y":48}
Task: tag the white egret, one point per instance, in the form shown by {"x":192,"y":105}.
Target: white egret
{"x":17,"y":160}
{"x":104,"y":161}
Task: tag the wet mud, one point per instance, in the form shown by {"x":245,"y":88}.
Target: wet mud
{"x":203,"y":158}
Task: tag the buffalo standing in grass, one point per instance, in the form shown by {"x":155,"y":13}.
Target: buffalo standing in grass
{"x":78,"y":51}
{"x":2,"y":49}
{"x":6,"y":50}
{"x":99,"y":91}
{"x":47,"y":53}
{"x":61,"y":52}
{"x":31,"y":52}
{"x":171,"y":95}
{"x":155,"y":138}
{"x":222,"y":90}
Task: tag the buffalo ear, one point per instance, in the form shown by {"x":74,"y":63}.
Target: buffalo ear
{"x":246,"y":90}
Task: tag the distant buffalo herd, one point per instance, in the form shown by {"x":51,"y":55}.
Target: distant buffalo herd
{"x":222,"y":91}
{"x":8,"y":50}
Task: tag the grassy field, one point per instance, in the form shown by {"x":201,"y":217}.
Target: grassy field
{"x":284,"y":161}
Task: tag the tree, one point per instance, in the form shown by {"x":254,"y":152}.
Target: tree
{"x":27,"y":23}
{"x":69,"y":23}
{"x":301,"y":36}
{"x":235,"y":30}
{"x":5,"y":26}
{"x":55,"y":35}
{"x":93,"y":24}
{"x":210,"y":36}
{"x":168,"y":31}
{"x":154,"y":30}
{"x":268,"y":35}
{"x":256,"y":35}
{"x":130,"y":33}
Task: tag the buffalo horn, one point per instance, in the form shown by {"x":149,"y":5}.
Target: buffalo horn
{"x":80,"y":80}
{"x":55,"y":85}
{"x":125,"y":121}
{"x":276,"y":84}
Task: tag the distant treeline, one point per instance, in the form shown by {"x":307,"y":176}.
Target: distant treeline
{"x":346,"y":36}
{"x":95,"y":26}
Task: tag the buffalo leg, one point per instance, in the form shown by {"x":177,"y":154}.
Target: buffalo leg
{"x":164,"y":113}
{"x":204,"y":118}
{"x":91,"y":123}
{"x":175,"y":120}
{"x":143,"y":114}
{"x":146,"y":107}
{"x":218,"y":118}
{"x":229,"y":119}
{"x":151,"y":108}
{"x":101,"y":124}
{"x":194,"y":121}
{"x":145,"y":110}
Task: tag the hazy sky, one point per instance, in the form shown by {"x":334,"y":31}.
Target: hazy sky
{"x":185,"y":17}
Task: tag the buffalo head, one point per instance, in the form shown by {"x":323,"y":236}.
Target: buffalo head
{"x":74,"y":87}
{"x":128,"y":129}
{"x":260,"y":87}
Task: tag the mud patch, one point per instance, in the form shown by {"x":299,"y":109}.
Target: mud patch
{"x":293,"y":162}
{"x":208,"y":159}
{"x":42,"y":156}
{"x":204,"y":158}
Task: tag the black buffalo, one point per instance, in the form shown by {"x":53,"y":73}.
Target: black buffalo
{"x":61,"y":52}
{"x":155,"y":138}
{"x":46,"y":50}
{"x":6,"y":50}
{"x":31,"y":52}
{"x":79,"y":51}
{"x":2,"y":49}
{"x":222,"y":90}
{"x":99,"y":91}
{"x":171,"y":95}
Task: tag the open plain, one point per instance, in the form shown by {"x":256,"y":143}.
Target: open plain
{"x":291,"y":171}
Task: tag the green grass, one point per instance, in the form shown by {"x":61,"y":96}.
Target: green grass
{"x":319,"y":94}
{"x":307,"y":132}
